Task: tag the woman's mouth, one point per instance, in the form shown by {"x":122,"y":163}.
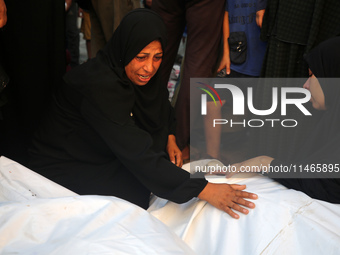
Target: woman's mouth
{"x":144,"y":78}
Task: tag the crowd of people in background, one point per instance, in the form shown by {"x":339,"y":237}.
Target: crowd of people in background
{"x":39,"y":43}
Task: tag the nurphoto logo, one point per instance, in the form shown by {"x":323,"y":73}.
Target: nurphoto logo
{"x":238,"y":106}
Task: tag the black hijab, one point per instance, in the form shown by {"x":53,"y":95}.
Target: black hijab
{"x":324,"y":62}
{"x":323,"y":146}
{"x":104,"y":82}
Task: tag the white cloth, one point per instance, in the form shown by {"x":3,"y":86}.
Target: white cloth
{"x":38,"y":216}
{"x":283,"y":222}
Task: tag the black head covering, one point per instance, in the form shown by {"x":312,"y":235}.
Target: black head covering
{"x":324,"y":62}
{"x":323,"y":146}
{"x":104,"y":82}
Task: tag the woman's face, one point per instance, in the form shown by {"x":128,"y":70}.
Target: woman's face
{"x":145,"y":65}
{"x":317,"y":95}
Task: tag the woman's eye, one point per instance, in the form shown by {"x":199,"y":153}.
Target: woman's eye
{"x":157,"y":58}
{"x":140,"y":58}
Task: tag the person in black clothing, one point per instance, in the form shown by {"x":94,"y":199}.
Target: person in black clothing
{"x":111,"y":127}
{"x":322,"y":150}
{"x":32,"y":54}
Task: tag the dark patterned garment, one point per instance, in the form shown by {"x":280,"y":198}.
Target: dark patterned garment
{"x":292,"y":28}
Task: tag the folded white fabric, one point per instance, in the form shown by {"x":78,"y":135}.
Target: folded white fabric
{"x":283,"y":222}
{"x":38,"y":216}
{"x":18,"y":183}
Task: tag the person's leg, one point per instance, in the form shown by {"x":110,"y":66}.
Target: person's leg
{"x":200,"y":59}
{"x":101,"y":24}
{"x":72,"y":34}
{"x":174,"y":18}
{"x":86,"y":30}
{"x":213,"y":134}
{"x":121,"y":8}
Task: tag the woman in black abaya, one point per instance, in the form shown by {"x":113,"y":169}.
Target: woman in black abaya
{"x":323,"y":147}
{"x":110,"y":131}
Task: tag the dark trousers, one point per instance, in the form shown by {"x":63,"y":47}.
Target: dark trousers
{"x":204,"y":20}
{"x":72,"y":34}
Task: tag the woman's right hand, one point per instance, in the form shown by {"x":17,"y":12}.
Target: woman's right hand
{"x":228,"y":197}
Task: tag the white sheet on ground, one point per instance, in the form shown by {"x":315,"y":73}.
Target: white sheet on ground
{"x":283,"y":222}
{"x":38,"y":216}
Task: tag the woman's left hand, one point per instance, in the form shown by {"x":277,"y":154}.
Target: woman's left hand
{"x":174,"y":152}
